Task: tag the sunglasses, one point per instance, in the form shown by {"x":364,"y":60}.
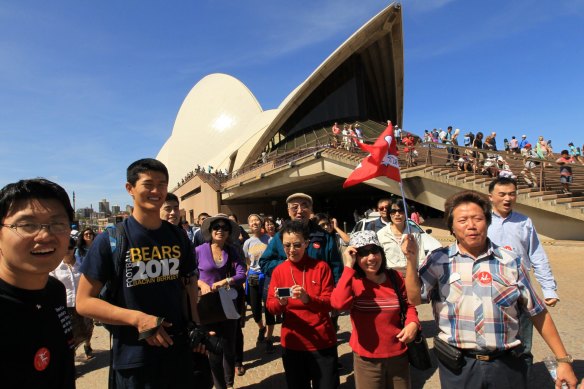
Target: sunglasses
{"x":369,"y":249}
{"x":383,"y":208}
{"x":295,"y":245}
{"x":222,"y":227}
{"x":394,"y":211}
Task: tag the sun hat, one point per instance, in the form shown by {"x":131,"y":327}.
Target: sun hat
{"x":206,"y":227}
{"x":302,"y":196}
{"x":364,"y":238}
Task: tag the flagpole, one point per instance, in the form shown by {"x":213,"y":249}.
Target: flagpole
{"x":401,"y":187}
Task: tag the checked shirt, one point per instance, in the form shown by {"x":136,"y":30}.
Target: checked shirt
{"x":477,"y":303}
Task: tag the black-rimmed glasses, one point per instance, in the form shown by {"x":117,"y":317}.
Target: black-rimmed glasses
{"x":32,"y":229}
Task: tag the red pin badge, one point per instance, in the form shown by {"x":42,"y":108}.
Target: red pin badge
{"x":316,"y":245}
{"x":484,"y":278}
{"x":42,"y":358}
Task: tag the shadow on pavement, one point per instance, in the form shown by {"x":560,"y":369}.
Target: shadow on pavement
{"x":100,"y":360}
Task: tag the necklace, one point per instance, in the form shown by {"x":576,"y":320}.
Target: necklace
{"x":303,"y":274}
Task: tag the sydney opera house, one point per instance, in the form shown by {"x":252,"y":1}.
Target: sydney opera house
{"x":221,"y":124}
{"x":269,"y":154}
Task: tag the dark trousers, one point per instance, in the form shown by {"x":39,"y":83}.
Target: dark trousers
{"x":223,"y":365}
{"x":382,"y":373}
{"x":174,"y":371}
{"x":311,"y":369}
{"x":507,"y":371}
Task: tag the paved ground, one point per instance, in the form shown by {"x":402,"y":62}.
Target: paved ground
{"x":266,"y":371}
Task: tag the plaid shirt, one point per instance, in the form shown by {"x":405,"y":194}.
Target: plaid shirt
{"x":477,"y":303}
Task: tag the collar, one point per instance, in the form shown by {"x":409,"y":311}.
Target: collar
{"x":501,"y":217}
{"x":492,"y":251}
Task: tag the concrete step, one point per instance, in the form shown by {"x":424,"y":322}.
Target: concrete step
{"x":554,"y":196}
{"x":576,"y":204}
{"x":569,"y":200}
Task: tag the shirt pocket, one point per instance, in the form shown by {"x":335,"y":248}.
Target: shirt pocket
{"x":503,"y":292}
{"x":453,"y":291}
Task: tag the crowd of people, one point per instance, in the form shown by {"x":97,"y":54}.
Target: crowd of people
{"x":478,"y":155}
{"x":145,"y":278}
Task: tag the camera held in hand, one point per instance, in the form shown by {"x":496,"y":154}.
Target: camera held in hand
{"x":198,"y":336}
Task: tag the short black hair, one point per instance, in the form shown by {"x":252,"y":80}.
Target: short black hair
{"x":294,"y":227}
{"x":467,"y":196}
{"x":142,"y":166}
{"x":35,"y":188}
{"x":502,"y":181}
{"x":321,"y":216}
{"x":171,"y":197}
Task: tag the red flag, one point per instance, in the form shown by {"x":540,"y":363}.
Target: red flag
{"x":381,"y":161}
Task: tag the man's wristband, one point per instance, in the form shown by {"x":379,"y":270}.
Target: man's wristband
{"x":567,"y":359}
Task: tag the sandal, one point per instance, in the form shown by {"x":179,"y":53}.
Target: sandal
{"x":240,"y":370}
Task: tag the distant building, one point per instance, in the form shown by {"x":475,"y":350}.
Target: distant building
{"x":115,"y":209}
{"x":104,"y":207}
{"x":128,"y":209}
{"x":84,"y":213}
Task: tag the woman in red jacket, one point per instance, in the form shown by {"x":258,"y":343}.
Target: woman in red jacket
{"x":378,"y":338}
{"x":300,"y":289}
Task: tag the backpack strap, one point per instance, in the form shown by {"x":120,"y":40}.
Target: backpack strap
{"x":119,"y":245}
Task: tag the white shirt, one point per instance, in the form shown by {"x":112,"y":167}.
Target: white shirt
{"x":69,"y":276}
{"x":391,"y":244}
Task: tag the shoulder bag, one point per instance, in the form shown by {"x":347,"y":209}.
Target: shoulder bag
{"x":418,"y":352}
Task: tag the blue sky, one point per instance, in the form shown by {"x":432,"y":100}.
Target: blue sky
{"x":88,"y":87}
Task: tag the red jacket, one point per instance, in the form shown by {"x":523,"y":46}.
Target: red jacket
{"x":375,"y":314}
{"x":306,"y":327}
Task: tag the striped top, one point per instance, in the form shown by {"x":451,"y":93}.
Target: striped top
{"x":375,"y":314}
{"x":477,"y":303}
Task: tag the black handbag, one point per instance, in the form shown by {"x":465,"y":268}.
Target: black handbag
{"x":210,"y":308}
{"x":418,"y":352}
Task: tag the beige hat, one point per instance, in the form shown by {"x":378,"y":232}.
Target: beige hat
{"x":206,"y":227}
{"x":302,"y":196}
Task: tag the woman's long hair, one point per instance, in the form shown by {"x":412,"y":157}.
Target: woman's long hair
{"x":81,"y":245}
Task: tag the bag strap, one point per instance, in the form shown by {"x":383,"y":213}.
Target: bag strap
{"x":119,"y":245}
{"x":402,"y":304}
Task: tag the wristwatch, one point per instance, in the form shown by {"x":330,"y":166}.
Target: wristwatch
{"x":567,"y":359}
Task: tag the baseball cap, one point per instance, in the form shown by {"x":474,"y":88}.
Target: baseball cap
{"x":524,"y":136}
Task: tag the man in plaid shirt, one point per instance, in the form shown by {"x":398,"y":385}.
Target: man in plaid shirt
{"x":478,"y":290}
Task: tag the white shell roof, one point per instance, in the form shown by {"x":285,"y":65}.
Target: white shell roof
{"x":218,"y":115}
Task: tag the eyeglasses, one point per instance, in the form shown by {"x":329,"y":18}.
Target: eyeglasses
{"x":27,"y":230}
{"x":88,"y":234}
{"x":369,"y":249}
{"x":222,"y":227}
{"x":324,"y":225}
{"x":394,"y":211}
{"x":383,"y":208}
{"x":295,"y":207}
{"x":296,"y":245}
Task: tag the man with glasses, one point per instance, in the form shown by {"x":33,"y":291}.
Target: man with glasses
{"x":36,"y":346}
{"x":383,"y":205}
{"x":321,"y":246}
{"x":150,"y":346}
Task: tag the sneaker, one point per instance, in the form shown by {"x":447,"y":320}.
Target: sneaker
{"x":269,"y":346}
{"x":261,"y":335}
{"x":240,"y":370}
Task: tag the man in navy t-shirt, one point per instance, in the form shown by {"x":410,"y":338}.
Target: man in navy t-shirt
{"x":149,"y":338}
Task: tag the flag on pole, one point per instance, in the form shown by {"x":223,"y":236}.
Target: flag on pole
{"x":381,"y":161}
